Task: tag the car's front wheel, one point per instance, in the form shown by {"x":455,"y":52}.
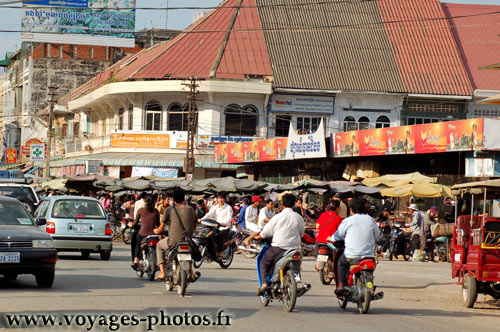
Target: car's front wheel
{"x":45,"y":279}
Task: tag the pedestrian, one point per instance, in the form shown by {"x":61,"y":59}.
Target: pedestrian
{"x":430,"y":218}
{"x":342,"y":211}
{"x":417,"y":240}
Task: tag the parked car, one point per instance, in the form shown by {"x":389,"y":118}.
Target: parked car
{"x":21,"y":191}
{"x":24,"y":248}
{"x":77,"y":224}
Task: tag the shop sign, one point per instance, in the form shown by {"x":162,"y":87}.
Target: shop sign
{"x":122,"y":140}
{"x":306,"y":146}
{"x":462,"y":135}
{"x":205,"y":142}
{"x":37,"y":152}
{"x":10,"y":156}
{"x":302,"y":104}
{"x":93,"y":166}
{"x":26,"y":148}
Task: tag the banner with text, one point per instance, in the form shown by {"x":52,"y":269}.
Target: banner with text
{"x":84,"y":22}
{"x":302,"y":104}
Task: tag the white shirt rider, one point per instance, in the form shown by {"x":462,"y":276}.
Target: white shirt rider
{"x":220,"y":212}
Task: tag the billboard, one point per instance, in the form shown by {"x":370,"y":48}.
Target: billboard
{"x":461,"y":135}
{"x":302,"y":104}
{"x":84,"y":22}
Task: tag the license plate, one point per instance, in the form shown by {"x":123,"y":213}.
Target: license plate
{"x":80,"y":228}
{"x":184,"y":257}
{"x":322,"y":258}
{"x":10,"y":257}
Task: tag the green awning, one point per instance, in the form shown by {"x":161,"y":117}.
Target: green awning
{"x":143,"y":160}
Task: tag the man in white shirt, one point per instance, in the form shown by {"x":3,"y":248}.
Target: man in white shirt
{"x":251,"y":214}
{"x":266,"y":213}
{"x":220,"y":212}
{"x":360,"y":233}
{"x":286,"y":228}
{"x":223,"y":214}
{"x":140,"y":203}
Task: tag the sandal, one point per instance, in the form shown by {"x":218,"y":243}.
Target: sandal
{"x":262,"y":290}
{"x":135,"y":266}
{"x":158,"y":277}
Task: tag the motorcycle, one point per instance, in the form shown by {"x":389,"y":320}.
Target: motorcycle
{"x":253,"y":249}
{"x":147,"y":262}
{"x":178,"y":266}
{"x":360,"y":288}
{"x":204,"y":237}
{"x":308,"y":241}
{"x":399,"y":243}
{"x":284,"y":278}
{"x":441,"y":248}
{"x":385,"y":237}
{"x":324,"y":262}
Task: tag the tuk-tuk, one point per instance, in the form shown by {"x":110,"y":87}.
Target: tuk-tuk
{"x":475,"y":250}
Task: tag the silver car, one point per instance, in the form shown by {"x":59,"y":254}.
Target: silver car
{"x":76,"y":224}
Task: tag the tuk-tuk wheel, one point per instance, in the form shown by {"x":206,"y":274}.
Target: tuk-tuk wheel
{"x":469,"y":290}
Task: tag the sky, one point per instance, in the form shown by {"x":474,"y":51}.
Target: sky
{"x":10,"y":19}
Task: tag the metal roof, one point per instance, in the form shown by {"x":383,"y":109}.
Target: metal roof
{"x":143,"y":160}
{"x":309,"y":48}
{"x":478,"y":39}
{"x":426,"y":53}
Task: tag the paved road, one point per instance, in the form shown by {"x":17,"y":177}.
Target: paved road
{"x":418,"y":297}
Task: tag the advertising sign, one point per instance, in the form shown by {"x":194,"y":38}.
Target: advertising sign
{"x":83,"y":22}
{"x":220,"y":153}
{"x":10,"y":156}
{"x":306,"y":146}
{"x":462,"y":135}
{"x":93,"y":166}
{"x":120,"y":140}
{"x":37,"y":152}
{"x":165,"y":172}
{"x":25,"y":149}
{"x":302,"y":104}
{"x":272,"y":149}
{"x":206,"y":142}
{"x":235,"y":153}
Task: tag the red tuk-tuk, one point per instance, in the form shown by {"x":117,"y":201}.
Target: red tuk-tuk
{"x":475,"y":250}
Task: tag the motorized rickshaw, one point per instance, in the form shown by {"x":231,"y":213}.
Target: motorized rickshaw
{"x":475,"y":251}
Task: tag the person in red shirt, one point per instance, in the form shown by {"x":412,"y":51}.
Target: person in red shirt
{"x":327,"y":223}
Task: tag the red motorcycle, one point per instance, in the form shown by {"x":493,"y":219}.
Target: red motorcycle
{"x":360,"y":288}
{"x":308,"y":242}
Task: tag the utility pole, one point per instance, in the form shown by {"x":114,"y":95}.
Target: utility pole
{"x":192,"y":120}
{"x":53,"y":100}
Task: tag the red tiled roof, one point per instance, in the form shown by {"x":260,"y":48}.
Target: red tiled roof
{"x":428,"y":58}
{"x":195,"y":54}
{"x":478,"y":39}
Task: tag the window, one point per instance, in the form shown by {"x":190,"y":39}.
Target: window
{"x":241,"y":121}
{"x":121,"y":111}
{"x":433,"y":108}
{"x":178,"y":117}
{"x":282,"y":125}
{"x":81,"y":209}
{"x":363,"y":123}
{"x":349,"y":123}
{"x":418,"y":120}
{"x":153,"y":115}
{"x":487,"y":113}
{"x":382,"y":122}
{"x":131,"y":117}
{"x":307,"y":125}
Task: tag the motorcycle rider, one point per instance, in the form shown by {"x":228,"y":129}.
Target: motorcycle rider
{"x":360,"y":233}
{"x":223,"y":214}
{"x":327,"y":224}
{"x":286,"y":228}
{"x":175,"y":232}
{"x":150,"y":220}
{"x":252,"y":214}
{"x":266,"y":213}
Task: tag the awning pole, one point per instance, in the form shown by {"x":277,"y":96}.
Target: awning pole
{"x":484,"y":206}
{"x":471,"y":210}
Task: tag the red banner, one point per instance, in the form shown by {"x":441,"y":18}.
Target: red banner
{"x":220,"y":153}
{"x":436,"y":137}
{"x":261,"y":150}
{"x":26,"y":149}
{"x":10,"y":156}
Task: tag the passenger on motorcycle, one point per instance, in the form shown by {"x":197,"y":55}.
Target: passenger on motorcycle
{"x":150,"y":220}
{"x":360,"y":233}
{"x":175,"y":232}
{"x":252,"y":214}
{"x":327,"y":224}
{"x":286,"y":229}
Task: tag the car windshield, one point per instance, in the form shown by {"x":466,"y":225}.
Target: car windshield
{"x":13,"y":213}
{"x":81,"y":209}
{"x":16,"y":192}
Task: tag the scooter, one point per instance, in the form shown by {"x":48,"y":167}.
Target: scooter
{"x":308,"y":241}
{"x":178,"y":267}
{"x":147,"y":262}
{"x":205,"y":237}
{"x":253,"y":249}
{"x":284,"y":279}
{"x":399,"y":243}
{"x":324,"y":262}
{"x":441,"y":248}
{"x":360,"y":288}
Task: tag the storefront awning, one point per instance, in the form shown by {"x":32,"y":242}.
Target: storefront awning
{"x":143,"y":160}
